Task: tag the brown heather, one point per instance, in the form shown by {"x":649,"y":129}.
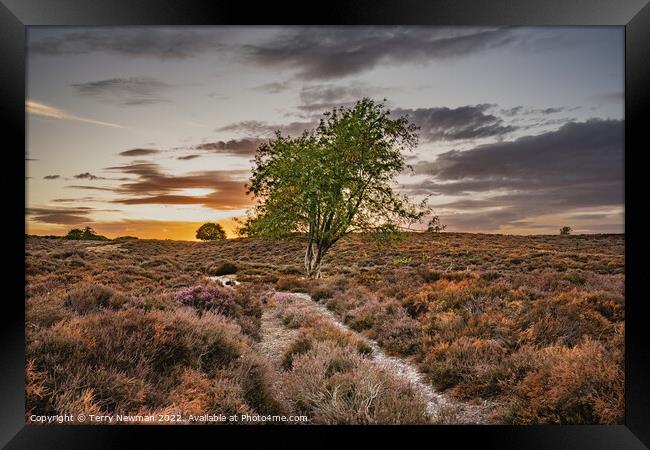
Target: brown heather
{"x":532,"y":324}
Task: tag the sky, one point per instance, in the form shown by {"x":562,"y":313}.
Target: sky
{"x":150,"y":131}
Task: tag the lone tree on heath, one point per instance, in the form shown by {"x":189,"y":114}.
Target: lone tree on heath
{"x":435,"y":226}
{"x":87,"y":234}
{"x":334,"y":180}
{"x":564,"y":231}
{"x":210,"y":232}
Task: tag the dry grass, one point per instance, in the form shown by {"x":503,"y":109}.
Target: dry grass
{"x":533,"y":323}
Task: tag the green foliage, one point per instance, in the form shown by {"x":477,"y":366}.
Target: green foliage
{"x":334,"y":180}
{"x":210,"y":232}
{"x":87,"y":234}
{"x":387,"y":234}
{"x":74,"y":234}
{"x":565,"y":231}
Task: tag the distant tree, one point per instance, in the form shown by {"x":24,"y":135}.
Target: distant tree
{"x":87,"y":234}
{"x":74,"y":234}
{"x":210,"y":232}
{"x":334,"y":180}
{"x":565,"y":231}
{"x":435,"y":226}
{"x":90,"y":235}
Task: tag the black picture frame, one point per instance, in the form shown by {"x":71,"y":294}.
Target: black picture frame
{"x":634,"y":15}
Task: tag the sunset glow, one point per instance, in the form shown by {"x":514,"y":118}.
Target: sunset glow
{"x":151,"y":131}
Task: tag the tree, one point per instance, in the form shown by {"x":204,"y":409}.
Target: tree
{"x":564,"y":231}
{"x":210,"y":232}
{"x":435,"y":226}
{"x":334,"y":180}
{"x":74,"y":234}
{"x":87,"y":234}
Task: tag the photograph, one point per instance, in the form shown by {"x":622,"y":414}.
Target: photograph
{"x":325,"y":225}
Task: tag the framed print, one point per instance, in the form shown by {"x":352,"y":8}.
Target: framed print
{"x":386,"y":219}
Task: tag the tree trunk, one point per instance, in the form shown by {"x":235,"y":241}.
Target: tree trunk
{"x":313,"y":258}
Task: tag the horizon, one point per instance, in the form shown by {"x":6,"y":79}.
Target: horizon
{"x":422,"y":232}
{"x":149,"y":131}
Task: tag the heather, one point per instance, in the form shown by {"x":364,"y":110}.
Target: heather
{"x":531,"y":326}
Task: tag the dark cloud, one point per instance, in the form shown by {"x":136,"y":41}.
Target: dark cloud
{"x":538,"y":123}
{"x":511,"y":112}
{"x":62,"y":216}
{"x":51,"y":177}
{"x":90,"y":188}
{"x":447,"y":124}
{"x":238,"y":147}
{"x":139,"y":152}
{"x":147,"y":42}
{"x":152,"y":186}
{"x":188,"y":157}
{"x":594,"y":147}
{"x":331,"y":52}
{"x":549,"y":110}
{"x":88,"y":176}
{"x":72,"y":200}
{"x":436,"y":124}
{"x":520,"y":110}
{"x":134,"y":91}
{"x":580,"y":165}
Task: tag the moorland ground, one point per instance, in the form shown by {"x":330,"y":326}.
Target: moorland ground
{"x":529,"y":327}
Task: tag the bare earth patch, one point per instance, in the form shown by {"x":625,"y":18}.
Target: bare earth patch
{"x":105,"y":248}
{"x":276,"y":338}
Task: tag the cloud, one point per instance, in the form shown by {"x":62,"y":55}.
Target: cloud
{"x":447,"y":124}
{"x":51,"y":177}
{"x":436,"y":124}
{"x":152,"y":186}
{"x":90,"y":188}
{"x":511,"y":112}
{"x":260,"y":128}
{"x":238,"y":147}
{"x":61,"y":216}
{"x":323,"y":97}
{"x":139,"y":152}
{"x":159,"y":43}
{"x":43,"y":110}
{"x":134,"y":91}
{"x":273,"y":87}
{"x":188,"y":157}
{"x":520,"y":110}
{"x":73,"y":200}
{"x":331,"y":52}
{"x":579,"y":165}
{"x":88,"y":176}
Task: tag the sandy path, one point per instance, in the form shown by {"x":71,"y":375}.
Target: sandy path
{"x":441,"y":408}
{"x":276,"y":338}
